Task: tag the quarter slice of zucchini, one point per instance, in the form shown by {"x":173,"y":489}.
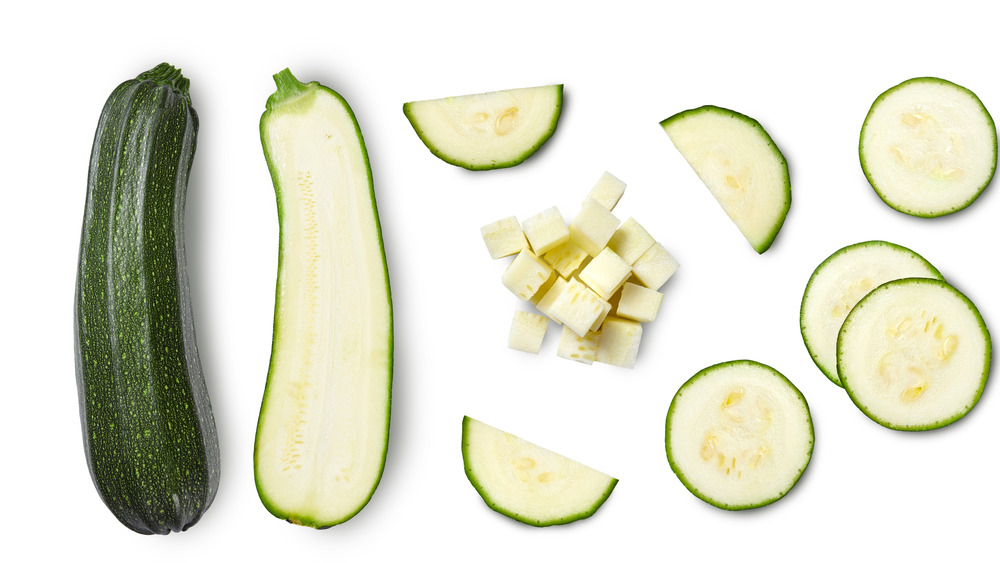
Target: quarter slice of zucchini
{"x":914,"y":354}
{"x":739,"y":435}
{"x":323,"y":429}
{"x":489,"y":130}
{"x":527,"y":482}
{"x":840,"y":281}
{"x":740,"y":164}
{"x":928,"y":147}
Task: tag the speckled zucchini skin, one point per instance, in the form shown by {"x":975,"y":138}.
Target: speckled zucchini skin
{"x":148,"y":430}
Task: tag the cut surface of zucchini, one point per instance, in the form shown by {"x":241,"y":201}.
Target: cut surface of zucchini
{"x":739,"y":163}
{"x":840,"y":281}
{"x":529,"y":483}
{"x":928,"y":147}
{"x":739,"y":435}
{"x":914,"y":354}
{"x":488,"y":130}
{"x":324,"y":421}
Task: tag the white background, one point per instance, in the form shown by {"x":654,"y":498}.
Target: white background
{"x":807,"y":74}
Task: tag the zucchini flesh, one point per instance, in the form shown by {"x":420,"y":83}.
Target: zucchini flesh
{"x":148,"y":429}
{"x":322,"y":433}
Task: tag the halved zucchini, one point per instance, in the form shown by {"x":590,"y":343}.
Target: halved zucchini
{"x":489,"y":130}
{"x":324,"y":422}
{"x":529,"y":483}
{"x":914,"y":354}
{"x":740,"y":164}
{"x":928,"y":147}
{"x":840,"y":281}
{"x":739,"y":435}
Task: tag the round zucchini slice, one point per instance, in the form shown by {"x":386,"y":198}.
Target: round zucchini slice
{"x":489,"y":130}
{"x":840,"y":281}
{"x":529,"y":483}
{"x":739,"y":435}
{"x":736,"y":159}
{"x":928,"y":147}
{"x":914,"y":354}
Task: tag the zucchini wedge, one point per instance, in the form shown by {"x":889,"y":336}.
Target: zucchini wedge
{"x":148,"y":429}
{"x":489,"y":130}
{"x":736,"y":159}
{"x":323,"y":429}
{"x":529,"y":483}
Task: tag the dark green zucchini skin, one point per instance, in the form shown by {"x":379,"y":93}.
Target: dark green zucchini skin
{"x":148,"y":429}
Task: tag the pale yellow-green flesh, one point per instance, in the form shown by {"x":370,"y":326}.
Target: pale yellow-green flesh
{"x":841,"y":283}
{"x":322,"y":435}
{"x":913,"y":355}
{"x":489,"y":128}
{"x":740,"y":435}
{"x":741,"y":168}
{"x":928,"y":148}
{"x":527,"y":481}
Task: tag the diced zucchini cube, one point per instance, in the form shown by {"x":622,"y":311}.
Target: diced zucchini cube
{"x":630,"y":241}
{"x":655,"y":266}
{"x":619,"y":344}
{"x":527,"y":331}
{"x":544,"y":304}
{"x":577,"y":307}
{"x":606,"y":273}
{"x":600,"y":318}
{"x":543,"y":290}
{"x":504,"y":237}
{"x":578,"y":348}
{"x":545,"y":230}
{"x":566,"y":258}
{"x":526,"y":274}
{"x":638,"y":303}
{"x":607,"y":191}
{"x":593,"y":227}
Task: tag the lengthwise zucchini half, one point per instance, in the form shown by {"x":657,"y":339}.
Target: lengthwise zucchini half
{"x":323,"y":429}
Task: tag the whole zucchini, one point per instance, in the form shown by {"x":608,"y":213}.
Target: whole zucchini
{"x":148,"y":430}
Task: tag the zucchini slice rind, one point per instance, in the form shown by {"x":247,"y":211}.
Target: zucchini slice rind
{"x":324,"y":422}
{"x":740,"y":164}
{"x":529,"y":483}
{"x":739,"y":435}
{"x":840,"y":281}
{"x":928,"y":147}
{"x":489,"y":130}
{"x":914,"y":354}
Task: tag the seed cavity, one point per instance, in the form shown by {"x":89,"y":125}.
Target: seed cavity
{"x":948,"y":347}
{"x":915,"y":119}
{"x":505,"y":122}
